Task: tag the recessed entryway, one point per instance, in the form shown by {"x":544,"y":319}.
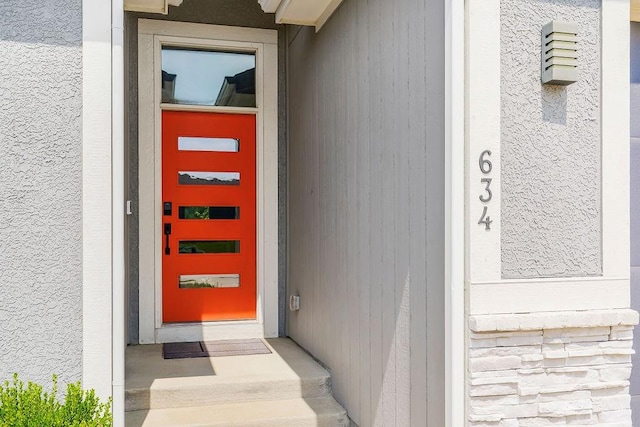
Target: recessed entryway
{"x":208,"y":182}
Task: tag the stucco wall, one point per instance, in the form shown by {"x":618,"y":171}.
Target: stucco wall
{"x":550,"y":146}
{"x":366,"y":206}
{"x":40,"y":190}
{"x":241,"y":13}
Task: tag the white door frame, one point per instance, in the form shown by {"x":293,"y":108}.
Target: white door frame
{"x":152,"y":34}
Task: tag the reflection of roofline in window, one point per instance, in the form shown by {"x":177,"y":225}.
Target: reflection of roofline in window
{"x":168,"y":86}
{"x":196,"y":85}
{"x":239,"y":90}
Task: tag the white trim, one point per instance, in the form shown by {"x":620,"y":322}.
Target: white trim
{"x":157,"y":180}
{"x":488,"y":292}
{"x":96,"y":198}
{"x":209,"y":331}
{"x":147,"y":6}
{"x":208,"y":108}
{"x":483,"y":133}
{"x":455,"y":312}
{"x":328,"y":13}
{"x":207,"y":31}
{"x":303,"y":12}
{"x":549,"y":295}
{"x":299,"y":12}
{"x":152,"y":34}
{"x":524,"y":322}
{"x":269,"y":6}
{"x":615,"y":138}
{"x":118,"y":248}
{"x":634,"y":10}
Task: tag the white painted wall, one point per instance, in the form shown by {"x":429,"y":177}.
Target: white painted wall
{"x":635,"y":210}
{"x":97,"y":226}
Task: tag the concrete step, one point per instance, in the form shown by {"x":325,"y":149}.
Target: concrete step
{"x":288,"y":373}
{"x":201,"y":391}
{"x":319,"y":411}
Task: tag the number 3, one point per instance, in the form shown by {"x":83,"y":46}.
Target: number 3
{"x":489,"y":193}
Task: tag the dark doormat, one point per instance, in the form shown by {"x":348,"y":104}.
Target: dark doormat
{"x":187,"y":350}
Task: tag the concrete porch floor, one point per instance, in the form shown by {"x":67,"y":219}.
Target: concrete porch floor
{"x":286,"y":387}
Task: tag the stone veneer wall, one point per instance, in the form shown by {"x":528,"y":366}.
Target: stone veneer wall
{"x":550,"y":369}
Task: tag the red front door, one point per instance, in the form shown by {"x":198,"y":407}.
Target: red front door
{"x":209,"y":216}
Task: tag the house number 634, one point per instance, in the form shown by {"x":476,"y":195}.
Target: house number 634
{"x":485,"y":167}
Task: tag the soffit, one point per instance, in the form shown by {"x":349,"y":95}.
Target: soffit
{"x":150,"y":6}
{"x":300,"y":12}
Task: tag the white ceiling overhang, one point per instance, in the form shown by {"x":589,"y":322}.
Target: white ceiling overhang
{"x":301,"y":12}
{"x":150,"y":6}
{"x":635,"y":10}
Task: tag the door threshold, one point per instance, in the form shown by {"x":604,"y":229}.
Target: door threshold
{"x":210,"y":331}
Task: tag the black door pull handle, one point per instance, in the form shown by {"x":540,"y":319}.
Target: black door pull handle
{"x":167,"y":232}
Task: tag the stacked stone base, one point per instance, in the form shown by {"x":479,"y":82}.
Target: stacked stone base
{"x":550,"y":369}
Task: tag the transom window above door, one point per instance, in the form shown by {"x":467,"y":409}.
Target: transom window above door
{"x":206,"y":77}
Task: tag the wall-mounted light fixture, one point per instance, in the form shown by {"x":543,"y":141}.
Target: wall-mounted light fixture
{"x":559,"y":53}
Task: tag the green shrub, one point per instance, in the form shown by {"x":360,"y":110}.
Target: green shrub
{"x":31,"y":406}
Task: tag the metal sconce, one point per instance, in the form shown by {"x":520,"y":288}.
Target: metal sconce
{"x":560,"y":53}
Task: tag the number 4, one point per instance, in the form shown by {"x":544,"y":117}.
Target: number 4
{"x":486,"y":220}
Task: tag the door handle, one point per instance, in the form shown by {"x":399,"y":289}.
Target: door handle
{"x":167,"y":232}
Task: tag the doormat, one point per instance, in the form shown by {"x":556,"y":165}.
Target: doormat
{"x":188,"y":350}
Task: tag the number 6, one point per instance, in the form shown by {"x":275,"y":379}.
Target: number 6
{"x":485,"y":164}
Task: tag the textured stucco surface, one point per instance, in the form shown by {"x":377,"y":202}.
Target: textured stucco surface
{"x":551,"y":194}
{"x":40,"y":189}
{"x":241,"y":13}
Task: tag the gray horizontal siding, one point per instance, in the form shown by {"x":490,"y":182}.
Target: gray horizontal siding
{"x":366,"y":206}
